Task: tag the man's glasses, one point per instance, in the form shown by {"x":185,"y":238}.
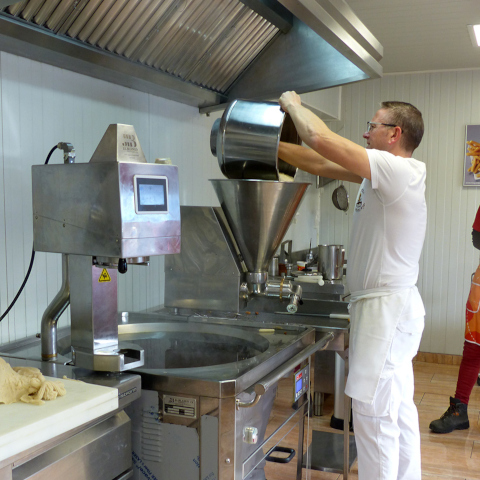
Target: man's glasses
{"x":372,"y":125}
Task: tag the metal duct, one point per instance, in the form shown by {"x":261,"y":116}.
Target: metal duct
{"x":202,"y":53}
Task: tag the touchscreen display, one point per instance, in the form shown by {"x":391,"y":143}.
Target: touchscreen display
{"x":151,"y":194}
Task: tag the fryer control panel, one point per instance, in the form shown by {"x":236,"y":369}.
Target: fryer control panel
{"x":302,"y":378}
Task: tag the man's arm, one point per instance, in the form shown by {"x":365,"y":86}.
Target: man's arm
{"x":312,"y":162}
{"x":319,"y":137}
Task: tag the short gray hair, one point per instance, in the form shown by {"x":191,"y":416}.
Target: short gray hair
{"x":409,"y":119}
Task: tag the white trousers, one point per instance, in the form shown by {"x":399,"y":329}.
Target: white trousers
{"x":387,"y":433}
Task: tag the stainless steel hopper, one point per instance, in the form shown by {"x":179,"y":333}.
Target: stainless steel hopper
{"x":259,"y":213}
{"x":225,"y":253}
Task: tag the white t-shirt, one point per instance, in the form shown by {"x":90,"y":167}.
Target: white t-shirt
{"x":389,"y":224}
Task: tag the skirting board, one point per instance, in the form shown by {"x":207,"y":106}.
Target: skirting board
{"x":440,"y":358}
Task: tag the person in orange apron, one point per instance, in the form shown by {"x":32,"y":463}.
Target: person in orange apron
{"x":456,"y":416}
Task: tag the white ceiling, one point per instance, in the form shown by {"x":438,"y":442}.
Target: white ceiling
{"x":422,"y":35}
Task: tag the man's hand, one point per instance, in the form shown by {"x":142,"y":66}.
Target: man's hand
{"x":288,"y":99}
{"x":331,"y":146}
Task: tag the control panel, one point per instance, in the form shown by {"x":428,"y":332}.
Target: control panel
{"x":302,"y":378}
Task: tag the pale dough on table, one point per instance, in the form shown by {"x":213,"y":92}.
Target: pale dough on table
{"x":26,"y":384}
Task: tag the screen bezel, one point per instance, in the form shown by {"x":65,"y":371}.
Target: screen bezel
{"x":150,"y":180}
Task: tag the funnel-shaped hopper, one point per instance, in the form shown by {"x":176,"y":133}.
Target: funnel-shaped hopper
{"x":259,"y":213}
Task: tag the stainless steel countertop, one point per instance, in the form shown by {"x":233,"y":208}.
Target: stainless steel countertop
{"x":278,"y":338}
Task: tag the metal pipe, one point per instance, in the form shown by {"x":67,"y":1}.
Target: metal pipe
{"x":281,"y":289}
{"x":52,"y":313}
{"x":256,"y":282}
{"x":62,"y":298}
{"x":273,"y":377}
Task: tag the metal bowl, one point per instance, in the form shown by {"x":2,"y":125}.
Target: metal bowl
{"x":245,"y":141}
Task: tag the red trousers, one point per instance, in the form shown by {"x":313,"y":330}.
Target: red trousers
{"x":469,"y":370}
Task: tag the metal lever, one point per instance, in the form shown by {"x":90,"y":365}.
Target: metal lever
{"x":239,"y":404}
{"x":273,"y":377}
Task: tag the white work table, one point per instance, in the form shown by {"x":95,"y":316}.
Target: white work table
{"x":26,"y":429}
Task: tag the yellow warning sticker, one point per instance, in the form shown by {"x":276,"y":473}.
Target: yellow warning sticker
{"x":104,"y":276}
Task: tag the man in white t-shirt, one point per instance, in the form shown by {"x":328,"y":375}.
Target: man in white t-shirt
{"x":386,"y":310}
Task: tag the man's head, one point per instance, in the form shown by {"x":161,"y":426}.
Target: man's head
{"x":397,"y":127}
{"x":409,"y":119}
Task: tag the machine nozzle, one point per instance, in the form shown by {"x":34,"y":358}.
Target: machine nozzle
{"x":68,"y":152}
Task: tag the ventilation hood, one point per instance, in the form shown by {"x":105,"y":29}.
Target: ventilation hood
{"x":203,"y":53}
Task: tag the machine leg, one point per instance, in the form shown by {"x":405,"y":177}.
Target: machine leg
{"x":318,"y":402}
{"x":301,"y":429}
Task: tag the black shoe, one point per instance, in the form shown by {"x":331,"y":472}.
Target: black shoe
{"x":455,"y":418}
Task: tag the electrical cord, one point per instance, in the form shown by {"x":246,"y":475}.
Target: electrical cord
{"x":32,"y":258}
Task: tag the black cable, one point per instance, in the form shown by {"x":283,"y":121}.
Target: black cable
{"x":21,"y":288}
{"x":32,"y":258}
{"x":50,"y":153}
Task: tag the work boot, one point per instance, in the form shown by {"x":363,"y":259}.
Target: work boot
{"x":455,"y":418}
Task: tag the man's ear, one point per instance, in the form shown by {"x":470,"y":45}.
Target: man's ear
{"x":476,"y":239}
{"x":396,"y":135}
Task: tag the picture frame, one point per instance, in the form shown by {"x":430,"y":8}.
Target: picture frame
{"x":471,"y":161}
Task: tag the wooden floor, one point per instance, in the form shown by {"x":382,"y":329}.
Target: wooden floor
{"x":453,"y":456}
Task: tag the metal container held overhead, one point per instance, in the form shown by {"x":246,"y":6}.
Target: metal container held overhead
{"x":259,"y":213}
{"x":245,"y":141}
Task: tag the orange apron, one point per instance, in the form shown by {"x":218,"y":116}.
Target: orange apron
{"x":472,"y":314}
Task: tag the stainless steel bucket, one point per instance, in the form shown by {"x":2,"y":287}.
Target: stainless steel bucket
{"x":331,"y":259}
{"x":245,"y":141}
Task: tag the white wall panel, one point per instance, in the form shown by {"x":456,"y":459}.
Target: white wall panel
{"x":304,"y":229}
{"x":3,"y":267}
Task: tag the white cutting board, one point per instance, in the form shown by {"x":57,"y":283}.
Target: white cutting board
{"x":24,"y":425}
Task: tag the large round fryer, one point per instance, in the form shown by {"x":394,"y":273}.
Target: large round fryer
{"x":212,"y":358}
{"x":214,"y":363}
{"x":192,"y":346}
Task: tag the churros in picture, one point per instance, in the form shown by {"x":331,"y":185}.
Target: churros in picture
{"x":473,"y":150}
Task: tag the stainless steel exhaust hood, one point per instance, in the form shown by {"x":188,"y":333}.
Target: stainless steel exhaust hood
{"x":203,"y":53}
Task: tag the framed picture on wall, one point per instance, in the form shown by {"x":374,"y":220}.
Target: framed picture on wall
{"x":471,"y":162}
